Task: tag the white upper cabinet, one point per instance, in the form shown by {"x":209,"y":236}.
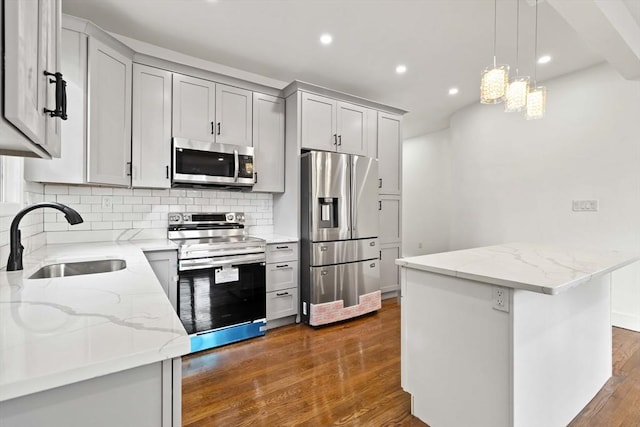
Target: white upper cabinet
{"x":194,"y":108}
{"x":332,"y":125}
{"x":268,"y":142}
{"x":233,"y":115}
{"x":109,"y":105}
{"x":31,"y":38}
{"x":351,"y":128}
{"x":151,"y":128}
{"x":318,"y":122}
{"x":389,"y":146}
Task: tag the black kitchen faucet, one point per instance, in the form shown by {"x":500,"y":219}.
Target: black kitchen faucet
{"x":15,"y":251}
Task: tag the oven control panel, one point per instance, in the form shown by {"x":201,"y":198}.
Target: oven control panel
{"x":177,"y":218}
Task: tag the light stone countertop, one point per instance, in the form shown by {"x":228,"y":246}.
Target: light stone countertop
{"x":532,"y":267}
{"x":59,"y":331}
{"x":275,"y":238}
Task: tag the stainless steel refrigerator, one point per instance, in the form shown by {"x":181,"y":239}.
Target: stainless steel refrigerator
{"x":339,"y":237}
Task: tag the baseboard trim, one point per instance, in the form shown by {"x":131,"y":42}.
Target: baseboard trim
{"x":626,"y":321}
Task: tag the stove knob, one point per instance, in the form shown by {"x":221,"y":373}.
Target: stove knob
{"x":174,"y":218}
{"x":230,"y":217}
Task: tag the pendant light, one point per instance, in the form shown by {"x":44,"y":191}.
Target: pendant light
{"x":494,"y":78}
{"x":517,"y":90}
{"x":537,"y":95}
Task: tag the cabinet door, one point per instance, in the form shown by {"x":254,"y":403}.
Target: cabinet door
{"x":25,"y":84}
{"x":389,"y":146}
{"x":282,"y":275}
{"x":268,"y":142}
{"x":282,"y":303}
{"x":71,"y":167}
{"x":389,"y":271}
{"x":151,"y":127}
{"x":351,"y":122}
{"x":234,"y":121}
{"x":318,"y":123}
{"x":109,"y":99}
{"x":193,"y":108}
{"x":50,"y":26}
{"x":372,"y":133}
{"x":390,"y":219}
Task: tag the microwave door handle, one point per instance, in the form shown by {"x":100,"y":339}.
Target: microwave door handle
{"x":236,"y":162}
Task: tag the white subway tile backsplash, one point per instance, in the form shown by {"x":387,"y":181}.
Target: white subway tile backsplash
{"x":132,"y":200}
{"x":141,"y":210}
{"x":122,"y":192}
{"x":122,"y":208}
{"x":151,"y":200}
{"x":104,"y":225}
{"x":102,"y":191}
{"x":80,"y":190}
{"x":91,"y":199}
{"x":56,"y":189}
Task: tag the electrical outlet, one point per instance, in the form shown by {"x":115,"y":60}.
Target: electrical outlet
{"x":501,"y":298}
{"x":107,"y":202}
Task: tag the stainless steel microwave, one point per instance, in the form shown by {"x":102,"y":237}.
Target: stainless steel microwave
{"x":209,"y":163}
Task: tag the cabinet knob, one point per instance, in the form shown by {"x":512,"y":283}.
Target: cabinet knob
{"x":218,"y":128}
{"x":61,"y":96}
{"x":212,"y":128}
{"x":339,"y":139}
{"x":281,"y":294}
{"x":167,"y":171}
{"x":335,"y":139}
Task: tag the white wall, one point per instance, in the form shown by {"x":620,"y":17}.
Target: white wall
{"x":427,"y":194}
{"x":514,"y":180}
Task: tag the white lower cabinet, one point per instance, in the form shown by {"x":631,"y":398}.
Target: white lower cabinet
{"x":282,"y":283}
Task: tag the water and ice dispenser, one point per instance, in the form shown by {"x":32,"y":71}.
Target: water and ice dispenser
{"x":328,"y":212}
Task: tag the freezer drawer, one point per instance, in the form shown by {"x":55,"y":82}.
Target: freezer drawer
{"x":326,"y":253}
{"x":344,"y":282}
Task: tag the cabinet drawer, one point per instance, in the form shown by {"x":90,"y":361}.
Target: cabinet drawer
{"x":278,"y":252}
{"x":282,"y":303}
{"x":282,"y":275}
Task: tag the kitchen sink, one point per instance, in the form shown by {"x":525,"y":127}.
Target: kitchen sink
{"x":79,"y":268}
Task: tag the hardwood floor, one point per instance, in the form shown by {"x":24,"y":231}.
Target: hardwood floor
{"x":349,"y":375}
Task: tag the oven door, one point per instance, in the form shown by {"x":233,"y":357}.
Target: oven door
{"x":198,"y":162}
{"x":215,"y":293}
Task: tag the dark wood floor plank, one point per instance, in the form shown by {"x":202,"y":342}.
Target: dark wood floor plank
{"x":349,"y":375}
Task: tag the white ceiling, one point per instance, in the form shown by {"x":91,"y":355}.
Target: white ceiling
{"x":443,"y":43}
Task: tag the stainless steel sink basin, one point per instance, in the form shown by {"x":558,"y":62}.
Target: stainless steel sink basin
{"x":79,"y":268}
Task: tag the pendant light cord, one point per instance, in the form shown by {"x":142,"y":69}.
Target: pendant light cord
{"x":517,"y":36}
{"x":495,"y":29}
{"x":535,"y":51}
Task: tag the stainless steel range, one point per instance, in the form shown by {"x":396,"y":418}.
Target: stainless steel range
{"x":221,"y":270}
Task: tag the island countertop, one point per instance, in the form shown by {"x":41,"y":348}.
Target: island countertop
{"x":59,"y":331}
{"x":532,"y":267}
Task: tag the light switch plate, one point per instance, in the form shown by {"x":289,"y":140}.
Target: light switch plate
{"x":584,"y":205}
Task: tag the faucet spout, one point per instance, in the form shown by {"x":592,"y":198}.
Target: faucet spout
{"x":15,"y":245}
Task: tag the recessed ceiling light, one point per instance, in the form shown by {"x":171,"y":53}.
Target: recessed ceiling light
{"x":544,"y":59}
{"x":401,"y":69}
{"x":453,"y":91}
{"x":326,"y":39}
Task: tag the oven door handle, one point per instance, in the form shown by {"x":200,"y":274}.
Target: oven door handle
{"x":236,"y":162}
{"x":229,"y":261}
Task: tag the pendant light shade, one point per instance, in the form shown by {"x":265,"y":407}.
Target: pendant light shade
{"x":495,"y":78}
{"x":536,"y":103}
{"x":493,"y":84}
{"x":516,"y":96}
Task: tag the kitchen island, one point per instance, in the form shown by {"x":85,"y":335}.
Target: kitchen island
{"x":95,"y":349}
{"x":506,"y":335}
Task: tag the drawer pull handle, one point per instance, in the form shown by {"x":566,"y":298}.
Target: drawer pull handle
{"x":282,"y":266}
{"x":282,"y":247}
{"x":281,"y":294}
